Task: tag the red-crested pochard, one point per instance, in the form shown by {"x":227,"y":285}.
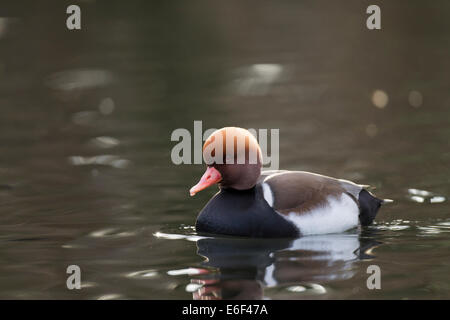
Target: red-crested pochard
{"x":276,"y":203}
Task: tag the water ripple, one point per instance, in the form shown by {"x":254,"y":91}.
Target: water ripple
{"x":105,"y":160}
{"x":84,"y":118}
{"x":111,"y":232}
{"x":105,"y":142}
{"x":110,"y":296}
{"x":187,"y":271}
{"x":395,"y":225}
{"x":309,"y":288}
{"x":174,"y":236}
{"x":424,"y":196}
{"x":257,"y":79}
{"x":143,"y":274}
{"x":79,"y":79}
{"x":436,"y":228}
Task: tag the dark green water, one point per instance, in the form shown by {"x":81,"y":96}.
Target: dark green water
{"x":120,"y":209}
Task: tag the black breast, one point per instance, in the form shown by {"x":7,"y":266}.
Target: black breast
{"x":243,"y":213}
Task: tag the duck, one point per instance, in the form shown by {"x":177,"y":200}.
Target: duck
{"x":274,"y":203}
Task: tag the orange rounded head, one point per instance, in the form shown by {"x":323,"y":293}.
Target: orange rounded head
{"x":233,"y":158}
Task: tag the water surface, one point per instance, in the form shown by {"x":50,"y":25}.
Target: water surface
{"x":86,"y":176}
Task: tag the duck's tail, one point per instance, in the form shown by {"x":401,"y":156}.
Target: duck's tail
{"x":368,"y":206}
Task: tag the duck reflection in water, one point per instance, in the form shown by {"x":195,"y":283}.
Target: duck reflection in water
{"x":246,"y":266}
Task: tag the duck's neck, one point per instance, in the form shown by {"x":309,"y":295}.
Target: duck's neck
{"x":232,"y":190}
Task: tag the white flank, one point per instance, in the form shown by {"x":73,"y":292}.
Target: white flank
{"x":338,"y":215}
{"x":268,"y":195}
